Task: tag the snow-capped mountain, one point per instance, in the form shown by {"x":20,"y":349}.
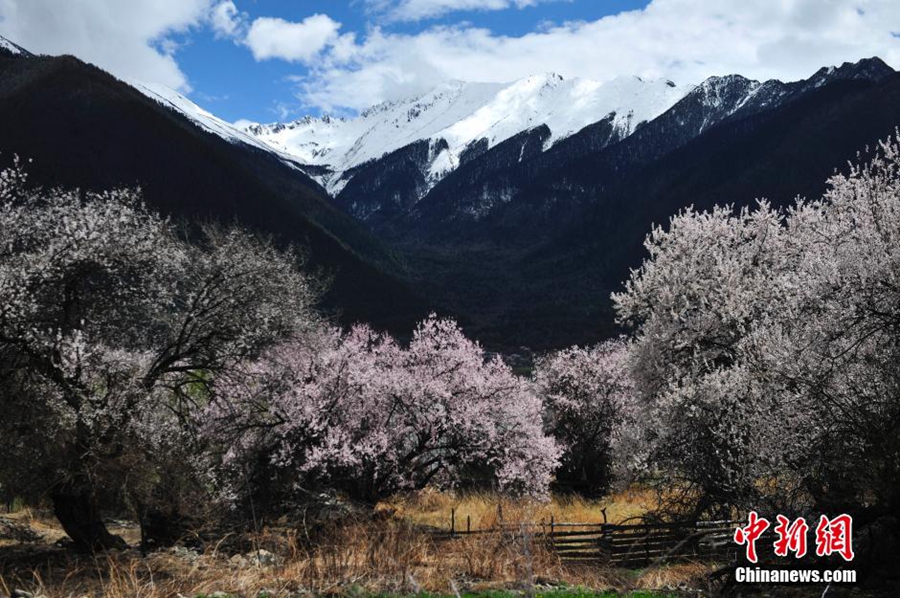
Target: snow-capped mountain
{"x":456,"y":115}
{"x":211,"y":123}
{"x":723,"y":97}
{"x":498,"y":139}
{"x":513,"y":206}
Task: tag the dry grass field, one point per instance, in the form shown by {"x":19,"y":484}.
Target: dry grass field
{"x":394,"y":553}
{"x":483,"y":509}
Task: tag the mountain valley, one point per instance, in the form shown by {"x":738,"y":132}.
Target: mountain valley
{"x":516,"y":208}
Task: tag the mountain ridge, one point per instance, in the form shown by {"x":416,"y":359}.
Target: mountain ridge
{"x":540,"y":269}
{"x":81,"y":127}
{"x":461,"y":114}
{"x":607,"y":114}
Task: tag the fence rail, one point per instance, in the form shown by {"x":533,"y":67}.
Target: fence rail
{"x":621,"y":545}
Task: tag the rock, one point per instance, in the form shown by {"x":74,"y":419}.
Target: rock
{"x":17,"y":531}
{"x":328,"y":507}
{"x":239,"y":561}
{"x":185,"y":553}
{"x":262,"y":558}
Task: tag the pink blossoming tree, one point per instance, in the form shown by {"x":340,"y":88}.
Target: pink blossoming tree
{"x":360,"y":413}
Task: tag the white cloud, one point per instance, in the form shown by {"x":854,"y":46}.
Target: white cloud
{"x":296,"y":42}
{"x":226,"y":20}
{"x":415,"y":10}
{"x":130,"y":39}
{"x":685,"y":40}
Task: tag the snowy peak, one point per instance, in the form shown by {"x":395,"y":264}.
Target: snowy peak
{"x":207,"y":121}
{"x":462,"y":114}
{"x":344,"y":144}
{"x":426,"y":137}
{"x":719,"y":97}
{"x":271,"y":129}
{"x":714,"y":88}
{"x":872,"y":69}
{"x":8,"y":48}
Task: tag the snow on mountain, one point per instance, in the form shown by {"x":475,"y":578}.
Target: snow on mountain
{"x":722,"y":96}
{"x":457,"y":116}
{"x":206,"y":120}
{"x":12,"y":48}
{"x":8,"y":46}
{"x":341,"y":144}
{"x":463,"y":113}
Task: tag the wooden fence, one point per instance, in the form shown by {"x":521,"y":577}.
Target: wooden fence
{"x":626,"y":546}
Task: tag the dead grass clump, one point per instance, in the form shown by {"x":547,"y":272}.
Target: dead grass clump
{"x":369,"y":556}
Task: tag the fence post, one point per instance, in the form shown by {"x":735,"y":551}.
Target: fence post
{"x":603,"y":539}
{"x":452,"y":522}
{"x":468,"y":524}
{"x":551,"y":527}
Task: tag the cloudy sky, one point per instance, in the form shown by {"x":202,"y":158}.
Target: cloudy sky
{"x":268,"y":60}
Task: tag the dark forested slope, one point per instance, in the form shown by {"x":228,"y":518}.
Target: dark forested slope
{"x":82,"y":127}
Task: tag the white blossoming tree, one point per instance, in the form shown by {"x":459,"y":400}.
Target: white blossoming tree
{"x":587,"y":397}
{"x":112,"y":326}
{"x":767,"y":344}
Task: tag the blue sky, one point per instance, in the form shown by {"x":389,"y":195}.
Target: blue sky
{"x":268,"y":60}
{"x":227,"y":80}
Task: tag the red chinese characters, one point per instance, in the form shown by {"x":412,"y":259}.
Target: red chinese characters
{"x":835,"y":536}
{"x":750,"y":534}
{"x":791,"y":536}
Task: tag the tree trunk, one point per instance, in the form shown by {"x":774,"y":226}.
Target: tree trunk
{"x":77,"y":512}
